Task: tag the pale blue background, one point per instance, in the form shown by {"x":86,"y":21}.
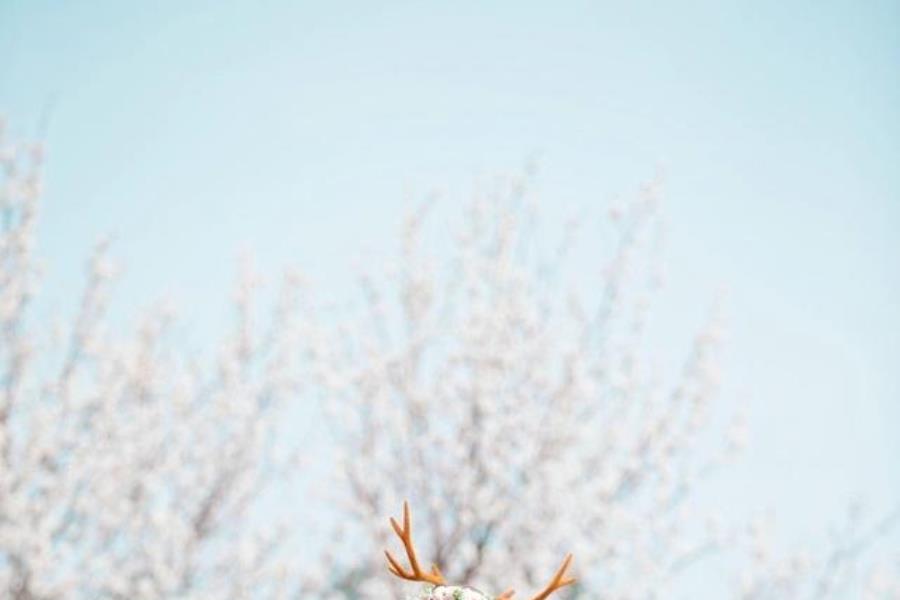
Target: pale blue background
{"x":191,"y":130}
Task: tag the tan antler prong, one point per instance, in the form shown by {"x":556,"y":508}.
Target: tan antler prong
{"x":559,"y":580}
{"x":415,"y":573}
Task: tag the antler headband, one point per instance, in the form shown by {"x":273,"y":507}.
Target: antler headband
{"x":434,"y":576}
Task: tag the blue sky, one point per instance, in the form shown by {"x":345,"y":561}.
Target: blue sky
{"x":190,"y":130}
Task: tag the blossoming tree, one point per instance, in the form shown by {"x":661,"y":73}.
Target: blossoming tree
{"x":127,"y":470}
{"x":518,"y":413}
{"x":510,"y":396}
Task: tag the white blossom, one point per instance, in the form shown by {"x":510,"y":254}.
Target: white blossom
{"x":128,"y":470}
{"x":516,"y":404}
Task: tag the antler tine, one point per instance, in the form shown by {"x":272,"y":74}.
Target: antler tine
{"x":507,"y":595}
{"x":416,"y":574}
{"x":559,"y":580}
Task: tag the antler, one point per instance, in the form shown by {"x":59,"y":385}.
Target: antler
{"x":405,"y":535}
{"x":559,"y":581}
